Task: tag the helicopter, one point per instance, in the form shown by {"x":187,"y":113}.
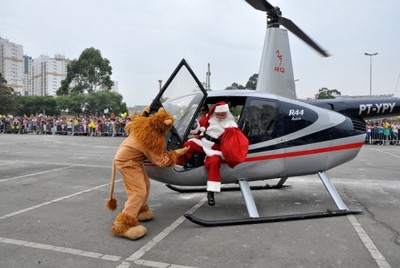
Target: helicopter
{"x":285,"y":134}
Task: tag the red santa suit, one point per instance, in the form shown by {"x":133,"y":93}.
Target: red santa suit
{"x":211,"y":130}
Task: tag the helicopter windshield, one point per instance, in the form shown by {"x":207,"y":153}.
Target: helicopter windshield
{"x":183,"y":109}
{"x":182,"y":96}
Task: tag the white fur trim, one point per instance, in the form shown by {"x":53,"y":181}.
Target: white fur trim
{"x":221,"y":108}
{"x":214,"y":186}
{"x":207,"y":145}
{"x":215,"y":131}
{"x":197,"y":141}
{"x":202,"y":129}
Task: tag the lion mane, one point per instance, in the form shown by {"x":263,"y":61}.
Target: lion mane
{"x":150,"y":131}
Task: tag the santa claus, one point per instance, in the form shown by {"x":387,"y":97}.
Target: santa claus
{"x":211,"y":131}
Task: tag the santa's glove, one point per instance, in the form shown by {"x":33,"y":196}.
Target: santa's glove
{"x":146,"y":111}
{"x":215,"y":131}
{"x":182,"y":151}
{"x":195,"y":127}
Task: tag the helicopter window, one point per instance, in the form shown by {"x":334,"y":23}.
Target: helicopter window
{"x":183,"y":109}
{"x":259,"y":124}
{"x":236,"y":104}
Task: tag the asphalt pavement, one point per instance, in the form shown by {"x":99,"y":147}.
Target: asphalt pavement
{"x":52,"y":214}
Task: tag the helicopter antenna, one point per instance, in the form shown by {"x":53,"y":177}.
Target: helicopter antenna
{"x":275,"y":19}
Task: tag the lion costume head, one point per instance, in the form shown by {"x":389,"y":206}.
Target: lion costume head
{"x":150,"y":131}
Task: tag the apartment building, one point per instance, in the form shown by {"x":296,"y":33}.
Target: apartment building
{"x":28,"y":75}
{"x":48,"y":74}
{"x":12,"y":64}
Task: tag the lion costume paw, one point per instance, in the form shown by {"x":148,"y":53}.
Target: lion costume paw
{"x":145,"y":214}
{"x":128,"y":227}
{"x":182,"y":151}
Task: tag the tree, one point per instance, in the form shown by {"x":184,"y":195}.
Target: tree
{"x":9,"y":100}
{"x":325,"y":93}
{"x":38,"y":104}
{"x":252,"y":83}
{"x":235,"y":86}
{"x":90,"y":73}
{"x":98,"y":102}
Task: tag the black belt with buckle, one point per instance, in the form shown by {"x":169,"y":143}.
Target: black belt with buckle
{"x":209,"y":138}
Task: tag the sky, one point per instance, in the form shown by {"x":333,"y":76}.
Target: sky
{"x":145,"y":40}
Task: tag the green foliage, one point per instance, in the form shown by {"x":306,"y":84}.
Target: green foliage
{"x":9,"y":102}
{"x":252,"y":83}
{"x":38,"y":104}
{"x":98,"y":102}
{"x":325,"y":93}
{"x":94,"y":103}
{"x":235,"y":86}
{"x":90,"y":73}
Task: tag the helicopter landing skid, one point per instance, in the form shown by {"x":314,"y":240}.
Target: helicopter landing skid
{"x":225,"y":189}
{"x":228,"y":189}
{"x":292,"y":217}
{"x":255,"y":218}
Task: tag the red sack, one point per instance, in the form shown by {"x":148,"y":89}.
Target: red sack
{"x":234,"y":146}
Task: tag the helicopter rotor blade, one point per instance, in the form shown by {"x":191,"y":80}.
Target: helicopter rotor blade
{"x":276,"y":19}
{"x":288,"y":24}
{"x":260,"y":5}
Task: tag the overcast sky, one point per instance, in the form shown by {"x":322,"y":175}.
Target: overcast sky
{"x":145,"y":40}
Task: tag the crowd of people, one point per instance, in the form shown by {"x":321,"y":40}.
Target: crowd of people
{"x":64,"y":125}
{"x":383,"y":132}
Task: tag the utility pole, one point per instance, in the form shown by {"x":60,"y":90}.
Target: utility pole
{"x":160,"y":82}
{"x":370,"y":71}
{"x":208,"y":81}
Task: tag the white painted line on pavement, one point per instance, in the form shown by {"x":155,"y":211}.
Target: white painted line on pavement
{"x":373,"y":250}
{"x":34,"y":174}
{"x":135,"y":257}
{"x":53,"y":201}
{"x":72,"y":251}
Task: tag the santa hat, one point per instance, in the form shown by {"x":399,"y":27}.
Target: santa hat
{"x":219,"y":107}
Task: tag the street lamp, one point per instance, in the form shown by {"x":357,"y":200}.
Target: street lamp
{"x":160,"y":84}
{"x":370,"y":70}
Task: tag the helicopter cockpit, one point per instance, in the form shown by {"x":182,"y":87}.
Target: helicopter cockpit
{"x":183,"y":96}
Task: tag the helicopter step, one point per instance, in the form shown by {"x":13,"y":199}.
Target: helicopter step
{"x":254,"y":215}
{"x":228,"y":189}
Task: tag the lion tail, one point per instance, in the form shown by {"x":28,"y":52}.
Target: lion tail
{"x":111,"y":203}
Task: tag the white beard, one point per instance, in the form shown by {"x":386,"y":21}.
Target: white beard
{"x":229,"y":121}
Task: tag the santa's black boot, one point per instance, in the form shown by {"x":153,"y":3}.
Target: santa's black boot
{"x":210,"y":198}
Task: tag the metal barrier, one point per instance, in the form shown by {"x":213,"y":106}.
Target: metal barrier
{"x":381,"y":136}
{"x":55,"y":127}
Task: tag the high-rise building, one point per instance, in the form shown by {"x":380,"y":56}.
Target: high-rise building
{"x":28,"y":75}
{"x":12,"y":64}
{"x":48,"y":74}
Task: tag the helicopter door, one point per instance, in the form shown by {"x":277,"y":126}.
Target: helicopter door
{"x":182,"y":96}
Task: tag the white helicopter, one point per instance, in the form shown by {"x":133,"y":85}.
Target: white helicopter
{"x":285,"y":135}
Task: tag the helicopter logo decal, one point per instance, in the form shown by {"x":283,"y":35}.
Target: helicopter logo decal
{"x":279,"y":68}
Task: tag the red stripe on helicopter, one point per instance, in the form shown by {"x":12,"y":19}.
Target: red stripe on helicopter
{"x":307,"y":152}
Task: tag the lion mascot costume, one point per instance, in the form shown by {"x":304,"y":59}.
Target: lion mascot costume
{"x":146,"y":140}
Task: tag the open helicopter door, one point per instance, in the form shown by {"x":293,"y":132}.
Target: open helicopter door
{"x":182,"y":96}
